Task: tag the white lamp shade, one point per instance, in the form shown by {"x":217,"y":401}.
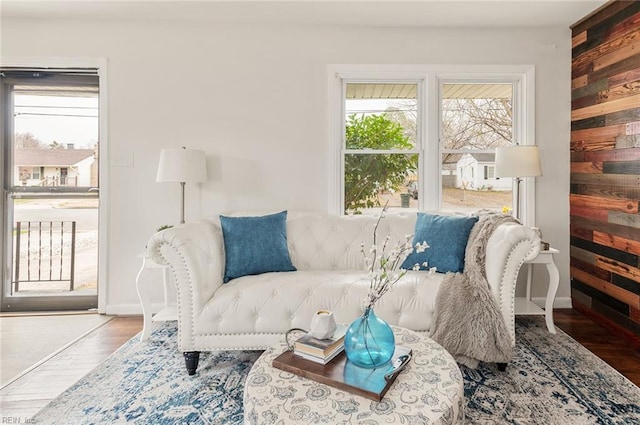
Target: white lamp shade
{"x":182,"y":165}
{"x":518,"y":161}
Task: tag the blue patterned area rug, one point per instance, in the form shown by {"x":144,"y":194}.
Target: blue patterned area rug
{"x":551,"y":380}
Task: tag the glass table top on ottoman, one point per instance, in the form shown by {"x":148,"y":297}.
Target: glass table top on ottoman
{"x":428,"y":390}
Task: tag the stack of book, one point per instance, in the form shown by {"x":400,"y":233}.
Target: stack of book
{"x":320,"y":350}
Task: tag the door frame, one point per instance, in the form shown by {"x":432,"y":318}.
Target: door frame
{"x":103,"y":157}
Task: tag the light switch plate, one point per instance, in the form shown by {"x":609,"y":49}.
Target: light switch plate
{"x":122,"y":160}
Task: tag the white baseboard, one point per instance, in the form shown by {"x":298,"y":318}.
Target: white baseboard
{"x":559,"y":302}
{"x":130,"y":309}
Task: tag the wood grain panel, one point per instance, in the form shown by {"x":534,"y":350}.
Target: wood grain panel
{"x":624,"y":283}
{"x":592,"y":20}
{"x":586,"y":167}
{"x":579,"y":232}
{"x":623,"y":52}
{"x":600,"y":297}
{"x":599,"y":121}
{"x":582,"y":255}
{"x":629,"y":220}
{"x":612,"y":27}
{"x":579,"y":39}
{"x":614,"y":192}
{"x":606,"y":179}
{"x":632,"y":128}
{"x":618,"y":92}
{"x":590,"y":213}
{"x":581,"y":81}
{"x":600,"y":133}
{"x":627,"y":142}
{"x":622,"y":167}
{"x":606,"y":251}
{"x":610,"y":228}
{"x":581,"y":298}
{"x":591,"y":269}
{"x":601,"y":203}
{"x":605,"y":165}
{"x":617,"y":242}
{"x":627,"y":25}
{"x":618,"y":267}
{"x":593,"y":88}
{"x":622,"y":117}
{"x":622,"y":78}
{"x":622,"y":318}
{"x":601,"y":145}
{"x":606,"y":54}
{"x":618,"y":67}
{"x":606,"y":108}
{"x":634,"y":314}
{"x":589,"y":100}
{"x":627,"y":154}
{"x":616,"y":292}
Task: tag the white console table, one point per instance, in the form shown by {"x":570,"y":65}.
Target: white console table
{"x":524,"y":306}
{"x":169,"y":312}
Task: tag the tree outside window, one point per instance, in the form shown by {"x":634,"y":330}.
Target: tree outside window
{"x":381,"y":156}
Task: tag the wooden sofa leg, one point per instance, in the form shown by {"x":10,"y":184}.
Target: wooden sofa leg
{"x":191,"y":359}
{"x":502,"y":366}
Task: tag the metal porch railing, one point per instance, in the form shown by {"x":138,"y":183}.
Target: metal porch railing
{"x":44,"y":252}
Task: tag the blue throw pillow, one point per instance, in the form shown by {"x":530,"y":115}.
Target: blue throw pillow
{"x":447,"y":238}
{"x":255,"y":245}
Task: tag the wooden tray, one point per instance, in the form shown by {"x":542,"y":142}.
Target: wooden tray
{"x":342,"y":374}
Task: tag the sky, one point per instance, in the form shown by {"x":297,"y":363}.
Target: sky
{"x":57,"y":118}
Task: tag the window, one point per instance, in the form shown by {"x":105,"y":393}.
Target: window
{"x":381,"y":149}
{"x":424,"y":137}
{"x":50,"y":185}
{"x":476,"y":117}
{"x":489,"y":172}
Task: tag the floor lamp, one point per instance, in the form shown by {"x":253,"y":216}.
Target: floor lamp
{"x":182,"y":166}
{"x":518,"y":161}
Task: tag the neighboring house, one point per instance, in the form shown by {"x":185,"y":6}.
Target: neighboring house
{"x":449,"y":170}
{"x":477,"y":171}
{"x":55,"y":167}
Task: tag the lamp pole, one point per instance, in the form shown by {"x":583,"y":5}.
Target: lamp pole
{"x":182,"y":202}
{"x":518,"y":180}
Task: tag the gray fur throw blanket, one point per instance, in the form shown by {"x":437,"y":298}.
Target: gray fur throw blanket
{"x":467,"y":320}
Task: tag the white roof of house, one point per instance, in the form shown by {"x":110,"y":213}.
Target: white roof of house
{"x":484,"y":157}
{"x":50,"y":157}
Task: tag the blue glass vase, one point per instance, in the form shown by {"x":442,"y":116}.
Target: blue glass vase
{"x":369,"y":341}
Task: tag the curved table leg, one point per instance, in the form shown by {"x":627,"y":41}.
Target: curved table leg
{"x":146,"y":304}
{"x":554,"y":282}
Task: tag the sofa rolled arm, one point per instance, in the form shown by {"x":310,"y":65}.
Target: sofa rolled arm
{"x":193,"y":253}
{"x":509,"y":246}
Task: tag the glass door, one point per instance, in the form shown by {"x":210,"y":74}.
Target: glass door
{"x":50,"y":189}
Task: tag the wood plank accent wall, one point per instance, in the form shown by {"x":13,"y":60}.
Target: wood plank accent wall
{"x":605,"y":167}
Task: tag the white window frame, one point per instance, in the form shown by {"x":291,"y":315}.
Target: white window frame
{"x":429,"y":168}
{"x":489,"y":172}
{"x":417,"y":150}
{"x":103,"y":214}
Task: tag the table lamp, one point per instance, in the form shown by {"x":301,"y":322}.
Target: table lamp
{"x":182,"y":166}
{"x":518,"y":161}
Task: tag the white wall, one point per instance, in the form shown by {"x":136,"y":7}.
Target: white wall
{"x":254,"y":98}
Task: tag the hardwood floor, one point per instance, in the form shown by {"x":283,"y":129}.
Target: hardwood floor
{"x":22,"y":398}
{"x":611,"y":348}
{"x":25,"y":396}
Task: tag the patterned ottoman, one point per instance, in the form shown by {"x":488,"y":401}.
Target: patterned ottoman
{"x":429,"y":390}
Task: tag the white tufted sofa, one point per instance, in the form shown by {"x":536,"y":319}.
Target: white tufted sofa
{"x":253,"y":312}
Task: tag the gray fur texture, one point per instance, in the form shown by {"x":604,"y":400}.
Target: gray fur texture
{"x":467,"y":321}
